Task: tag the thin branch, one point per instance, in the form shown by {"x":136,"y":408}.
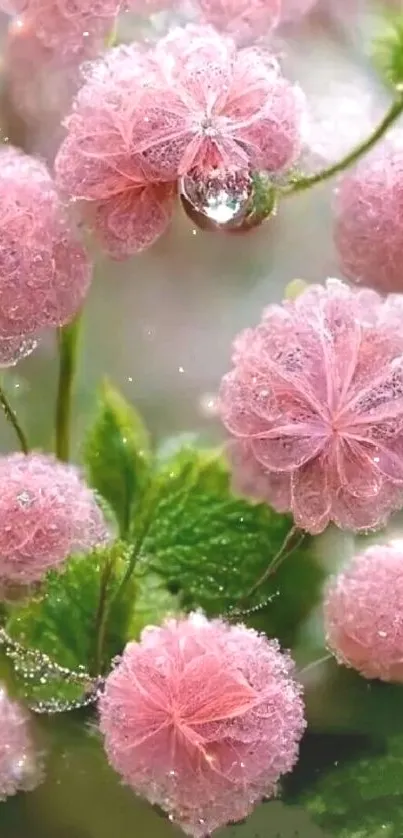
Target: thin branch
{"x":353,"y":156}
{"x":12,"y":418}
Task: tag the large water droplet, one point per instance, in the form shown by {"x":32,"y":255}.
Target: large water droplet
{"x":221,"y":195}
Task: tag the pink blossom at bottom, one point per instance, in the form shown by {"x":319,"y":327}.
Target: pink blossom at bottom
{"x":202,"y":718}
{"x":369,"y":220}
{"x":19,"y":766}
{"x":241,"y":18}
{"x":46,"y":513}
{"x":314,"y":407}
{"x":363,"y":613}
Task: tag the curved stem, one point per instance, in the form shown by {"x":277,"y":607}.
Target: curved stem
{"x":390,"y":117}
{"x":68,"y":353}
{"x":11,"y":417}
{"x":292,"y":541}
{"x":314,"y":664}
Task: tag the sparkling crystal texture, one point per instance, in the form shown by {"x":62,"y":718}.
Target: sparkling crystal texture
{"x":363,"y":613}
{"x":314,"y":408}
{"x":202,"y":718}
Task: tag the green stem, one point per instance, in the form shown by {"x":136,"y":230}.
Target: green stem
{"x":292,"y":541}
{"x":68,"y":354}
{"x":102,"y":618}
{"x":11,"y":417}
{"x":390,"y":117}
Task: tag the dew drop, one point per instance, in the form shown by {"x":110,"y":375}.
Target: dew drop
{"x":14,"y":349}
{"x":221,"y":195}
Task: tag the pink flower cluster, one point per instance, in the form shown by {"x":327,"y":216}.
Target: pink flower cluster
{"x":192,"y":106}
{"x":202,"y":718}
{"x":363,"y":613}
{"x":44,"y":270}
{"x":315,"y":406}
{"x":369,"y":220}
{"x":68,"y":27}
{"x":47,"y":513}
{"x":19,"y":767}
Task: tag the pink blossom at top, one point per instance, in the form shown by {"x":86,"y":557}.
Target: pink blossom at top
{"x":369,"y":220}
{"x":69,"y":26}
{"x":314,"y":404}
{"x":44,"y":270}
{"x":242,"y":18}
{"x":363,"y":613}
{"x":144,"y":119}
{"x":20,"y":769}
{"x":46,"y":513}
{"x":294,"y":9}
{"x":202,"y":718}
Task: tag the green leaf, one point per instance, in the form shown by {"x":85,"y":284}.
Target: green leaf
{"x":388,"y":50}
{"x":212,"y":546}
{"x":362,"y":798}
{"x":76,"y":620}
{"x":117,"y":454}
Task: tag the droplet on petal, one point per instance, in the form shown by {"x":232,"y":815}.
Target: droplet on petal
{"x":222,"y":195}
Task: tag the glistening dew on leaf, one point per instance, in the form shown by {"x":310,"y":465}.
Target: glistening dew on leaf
{"x":363,"y":613}
{"x":20,"y":768}
{"x":44,"y":270}
{"x":202,"y":718}
{"x":314,"y":406}
{"x":46,"y":513}
{"x":193,"y":109}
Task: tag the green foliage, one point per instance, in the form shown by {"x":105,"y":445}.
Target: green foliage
{"x":213,"y":547}
{"x":361,"y":798}
{"x":388,"y":51}
{"x":117,"y":454}
{"x":75,"y":619}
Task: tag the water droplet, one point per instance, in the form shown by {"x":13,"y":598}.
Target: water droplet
{"x":13,"y":350}
{"x":221,"y":195}
{"x":25,"y":499}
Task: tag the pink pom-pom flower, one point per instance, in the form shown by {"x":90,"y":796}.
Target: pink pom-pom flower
{"x":44,"y":270}
{"x":242,"y":18}
{"x":202,"y":718}
{"x":20,"y":768}
{"x":369,"y":220}
{"x":363,"y":613}
{"x":315,"y":406}
{"x":192,"y":106}
{"x":47,"y":512}
{"x":70,"y":27}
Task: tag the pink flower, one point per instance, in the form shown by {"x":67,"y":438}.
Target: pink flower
{"x":242,"y":18}
{"x":98,"y":163}
{"x":363,"y":613}
{"x":19,"y":767}
{"x":72,"y":27}
{"x":48,"y":513}
{"x":202,"y":718}
{"x":145,"y":119}
{"x":315,"y":406}
{"x":369,"y":220}
{"x":44,"y":271}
